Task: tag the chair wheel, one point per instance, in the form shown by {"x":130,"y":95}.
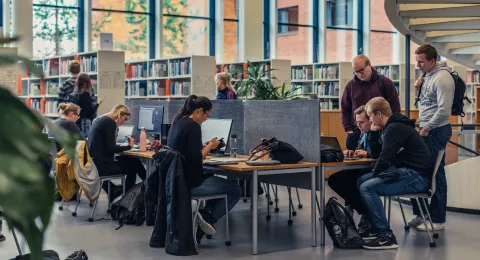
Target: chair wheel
{"x":433,"y":244}
{"x":435,"y":235}
{"x":300,"y":206}
{"x":407,"y":228}
{"x":268,"y":217}
{"x":90,"y":219}
{"x":277,"y":209}
{"x":74,"y":214}
{"x":294,"y":213}
{"x":228,"y":243}
{"x":60,"y":208}
{"x":245,"y":200}
{"x":290,"y":222}
{"x":208,"y":236}
{"x":271,"y":202}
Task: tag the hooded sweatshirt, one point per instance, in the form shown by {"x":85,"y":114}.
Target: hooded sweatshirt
{"x":358,"y":93}
{"x":403,"y":147}
{"x":436,"y":98}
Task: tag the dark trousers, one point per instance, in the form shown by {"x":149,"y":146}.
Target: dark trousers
{"x":129,"y":166}
{"x":344,"y":183}
{"x":436,"y":140}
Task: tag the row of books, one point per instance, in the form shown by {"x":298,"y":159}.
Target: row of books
{"x":51,"y":68}
{"x":473,"y":76}
{"x":326,"y":72}
{"x":236,"y":72}
{"x":158,"y":69}
{"x":43,"y":106}
{"x":34,"y":89}
{"x":387,"y":72}
{"x":157,"y":88}
{"x":136,"y":89}
{"x":50,"y":107}
{"x":180,"y":67}
{"x":302,"y":73}
{"x":65,"y":66}
{"x":264,"y":68}
{"x":88,"y":64}
{"x":51,"y":88}
{"x":329,"y":104}
{"x":136,"y":70}
{"x":327,"y":88}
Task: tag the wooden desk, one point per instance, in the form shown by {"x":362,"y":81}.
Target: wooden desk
{"x":345,"y":165}
{"x":144,"y":155}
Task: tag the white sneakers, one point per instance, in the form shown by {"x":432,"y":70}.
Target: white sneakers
{"x":417,"y":222}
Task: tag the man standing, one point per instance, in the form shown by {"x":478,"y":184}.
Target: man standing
{"x":344,"y":182}
{"x":68,"y":86}
{"x":363,"y":87}
{"x":436,"y":99}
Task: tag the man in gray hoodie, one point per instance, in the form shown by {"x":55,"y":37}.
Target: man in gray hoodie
{"x":436,"y":99}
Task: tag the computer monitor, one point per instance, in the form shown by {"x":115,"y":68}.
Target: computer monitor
{"x":123,"y":132}
{"x":219,"y":128}
{"x":151,"y":118}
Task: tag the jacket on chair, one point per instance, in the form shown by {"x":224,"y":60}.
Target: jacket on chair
{"x":168,"y":204}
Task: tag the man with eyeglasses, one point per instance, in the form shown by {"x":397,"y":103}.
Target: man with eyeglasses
{"x":364,"y":86}
{"x":344,"y":183}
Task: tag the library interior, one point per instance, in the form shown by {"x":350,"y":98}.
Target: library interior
{"x":246,"y":129}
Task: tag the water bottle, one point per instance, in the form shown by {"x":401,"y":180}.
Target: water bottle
{"x":233,"y":146}
{"x":143,"y":140}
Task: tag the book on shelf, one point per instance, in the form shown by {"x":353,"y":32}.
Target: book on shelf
{"x":34,"y":89}
{"x":180,"y":67}
{"x":51,"y":88}
{"x":137,"y":88}
{"x":158,"y":69}
{"x":178,"y":88}
{"x":327,"y":88}
{"x":136,"y":70}
{"x":388,"y":72}
{"x":88,"y":64}
{"x":473,"y":76}
{"x":329,"y":104}
{"x":236,"y":71}
{"x":51,"y":107}
{"x":302,"y":89}
{"x":302,"y":73}
{"x":326,"y":72}
{"x":156,"y":88}
{"x":52,"y":67}
{"x":65,"y":65}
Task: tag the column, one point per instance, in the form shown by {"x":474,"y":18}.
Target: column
{"x":22,"y":26}
{"x":251,"y":30}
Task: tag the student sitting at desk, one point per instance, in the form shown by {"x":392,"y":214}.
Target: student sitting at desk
{"x":185,"y":136}
{"x":68,"y":116}
{"x":403,"y":167}
{"x":344,"y":183}
{"x":103,"y":147}
{"x":225,"y":89}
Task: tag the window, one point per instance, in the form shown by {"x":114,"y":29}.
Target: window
{"x":340,"y":13}
{"x":54,"y":28}
{"x":340,"y":45}
{"x":381,"y":35}
{"x":185,"y":28}
{"x":230,"y":30}
{"x":379,"y":19}
{"x":288,"y":16}
{"x":127,"y":20}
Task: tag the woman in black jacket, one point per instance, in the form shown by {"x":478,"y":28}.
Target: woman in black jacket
{"x":102,"y":146}
{"x":69,"y":114}
{"x":185,"y":136}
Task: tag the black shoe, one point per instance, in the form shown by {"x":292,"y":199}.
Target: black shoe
{"x":369,"y":234}
{"x":199,"y":235}
{"x":382,"y":242}
{"x":364,"y":224}
{"x":77,"y":255}
{"x":2,"y":238}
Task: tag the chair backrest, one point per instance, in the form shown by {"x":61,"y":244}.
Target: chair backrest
{"x":435,"y":170}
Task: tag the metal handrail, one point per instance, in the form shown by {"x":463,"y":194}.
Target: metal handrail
{"x":464,"y":148}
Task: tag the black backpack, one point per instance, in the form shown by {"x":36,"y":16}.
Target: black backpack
{"x":340,"y":226}
{"x":329,"y":154}
{"x":73,"y":97}
{"x":130,"y":209}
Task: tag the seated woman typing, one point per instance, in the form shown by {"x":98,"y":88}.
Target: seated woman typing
{"x":102,"y":146}
{"x":185,"y":137}
{"x":68,"y":116}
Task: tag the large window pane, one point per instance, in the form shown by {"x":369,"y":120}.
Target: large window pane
{"x":129,"y":32}
{"x":186,"y":7}
{"x":340,"y":13}
{"x":295,"y":11}
{"x":230,"y":41}
{"x":379,"y":19}
{"x":339,"y":45}
{"x":54,"y":33}
{"x":381,"y":48}
{"x":230,"y":9}
{"x":56,"y":2}
{"x":294,"y":46}
{"x":126,"y":5}
{"x":184,"y":36}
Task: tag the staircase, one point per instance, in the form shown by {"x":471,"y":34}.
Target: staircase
{"x":451,"y":26}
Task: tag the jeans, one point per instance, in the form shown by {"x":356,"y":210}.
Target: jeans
{"x":214,"y":186}
{"x":436,"y":140}
{"x":398,"y":181}
{"x":344,"y":183}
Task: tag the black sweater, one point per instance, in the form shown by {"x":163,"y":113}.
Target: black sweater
{"x":88,"y":110}
{"x":403,"y":147}
{"x":70,"y":127}
{"x":185,"y":136}
{"x":102,"y":143}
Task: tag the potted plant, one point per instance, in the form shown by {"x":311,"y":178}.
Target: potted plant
{"x":26,"y":193}
{"x":258,"y":85}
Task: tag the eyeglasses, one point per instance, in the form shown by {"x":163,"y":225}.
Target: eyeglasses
{"x":356,"y":72}
{"x":361,"y":122}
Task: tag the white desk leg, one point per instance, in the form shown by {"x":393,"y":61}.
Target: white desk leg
{"x":322,"y":206}
{"x":312,"y":200}
{"x":254,"y":194}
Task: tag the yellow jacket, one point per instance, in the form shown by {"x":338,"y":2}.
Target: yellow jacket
{"x":66,"y":181}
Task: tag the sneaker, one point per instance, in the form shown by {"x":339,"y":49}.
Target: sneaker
{"x":382,"y":242}
{"x":2,"y":238}
{"x":205,"y":226}
{"x":369,"y":234}
{"x":417,"y":221}
{"x":77,"y":255}
{"x":199,"y":235}
{"x":437,"y":226}
{"x":364,"y":223}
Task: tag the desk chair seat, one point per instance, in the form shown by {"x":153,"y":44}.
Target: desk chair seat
{"x":200,"y":200}
{"x":102,"y":180}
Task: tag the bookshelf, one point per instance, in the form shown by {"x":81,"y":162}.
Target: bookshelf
{"x":105,"y":69}
{"x":9,"y":74}
{"x":472,"y":82}
{"x":397,"y":74}
{"x":173,"y":78}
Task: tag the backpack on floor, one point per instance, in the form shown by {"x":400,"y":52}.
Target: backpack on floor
{"x":130,"y":209}
{"x":340,"y":226}
{"x":47,"y":255}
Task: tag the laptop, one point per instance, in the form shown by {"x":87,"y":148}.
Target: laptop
{"x":332,"y":141}
{"x":123,"y":132}
{"x":219,"y":128}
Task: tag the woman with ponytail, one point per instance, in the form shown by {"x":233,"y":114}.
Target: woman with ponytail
{"x":68,"y":117}
{"x":225,"y":90}
{"x":185,"y":136}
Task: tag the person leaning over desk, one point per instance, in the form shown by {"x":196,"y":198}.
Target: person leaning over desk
{"x":185,"y":136}
{"x":103,"y":147}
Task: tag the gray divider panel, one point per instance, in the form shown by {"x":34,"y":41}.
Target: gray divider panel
{"x":295,"y":121}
